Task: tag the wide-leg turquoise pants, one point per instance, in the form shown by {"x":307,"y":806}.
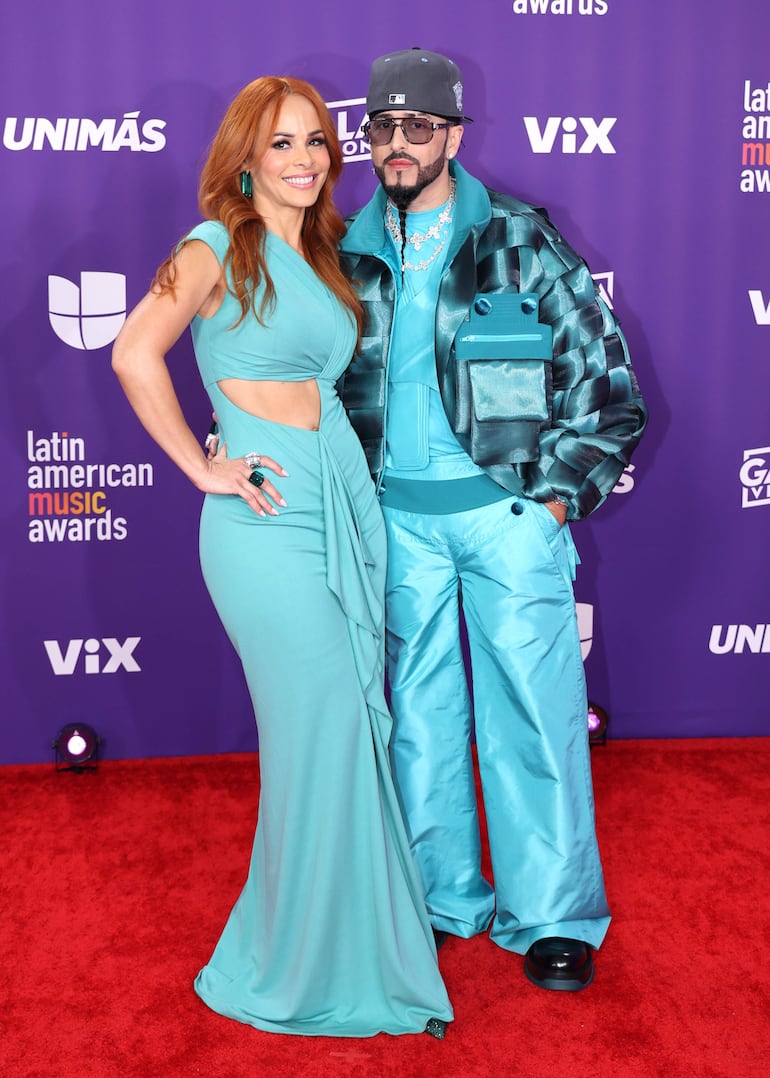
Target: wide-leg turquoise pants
{"x":513,"y":566}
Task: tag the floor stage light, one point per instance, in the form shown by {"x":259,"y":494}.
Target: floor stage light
{"x":76,"y":747}
{"x":598,"y":720}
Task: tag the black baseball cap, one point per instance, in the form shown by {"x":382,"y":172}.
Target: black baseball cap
{"x":419,"y":81}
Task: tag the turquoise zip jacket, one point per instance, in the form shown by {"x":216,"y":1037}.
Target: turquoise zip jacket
{"x":582,"y":401}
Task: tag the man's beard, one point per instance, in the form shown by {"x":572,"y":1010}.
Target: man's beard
{"x":399,"y":194}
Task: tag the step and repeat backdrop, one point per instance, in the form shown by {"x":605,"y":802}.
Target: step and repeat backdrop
{"x":644,"y":129}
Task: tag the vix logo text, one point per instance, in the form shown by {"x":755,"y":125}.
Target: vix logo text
{"x":105,"y":656}
{"x":594,"y":134}
{"x":759,"y":307}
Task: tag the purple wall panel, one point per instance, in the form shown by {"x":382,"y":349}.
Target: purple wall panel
{"x":626,"y":120}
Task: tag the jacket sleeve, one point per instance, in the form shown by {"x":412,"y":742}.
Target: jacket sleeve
{"x":598,"y":414}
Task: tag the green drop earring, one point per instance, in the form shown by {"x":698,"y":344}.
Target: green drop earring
{"x":246,"y":189}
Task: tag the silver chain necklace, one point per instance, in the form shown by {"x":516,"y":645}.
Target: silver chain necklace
{"x":419,"y":239}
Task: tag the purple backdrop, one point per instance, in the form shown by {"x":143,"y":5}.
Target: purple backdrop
{"x":644,"y":128}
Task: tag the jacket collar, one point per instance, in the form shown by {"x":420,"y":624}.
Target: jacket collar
{"x":366,"y":230}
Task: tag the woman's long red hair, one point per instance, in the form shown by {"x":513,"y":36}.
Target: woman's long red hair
{"x":244,"y":135}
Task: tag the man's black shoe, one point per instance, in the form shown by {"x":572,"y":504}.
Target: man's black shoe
{"x":440,"y":937}
{"x":560,"y":964}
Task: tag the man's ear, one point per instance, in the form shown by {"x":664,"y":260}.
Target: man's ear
{"x":454,"y":138}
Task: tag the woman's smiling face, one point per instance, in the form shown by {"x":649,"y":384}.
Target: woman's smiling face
{"x":294,"y":168}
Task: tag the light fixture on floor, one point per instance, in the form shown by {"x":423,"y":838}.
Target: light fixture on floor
{"x":76,"y":747}
{"x":598,"y":720}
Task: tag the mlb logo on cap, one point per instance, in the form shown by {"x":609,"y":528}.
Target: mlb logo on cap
{"x":396,"y":99}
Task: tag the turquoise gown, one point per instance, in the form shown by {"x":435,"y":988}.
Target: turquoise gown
{"x":329,"y":935}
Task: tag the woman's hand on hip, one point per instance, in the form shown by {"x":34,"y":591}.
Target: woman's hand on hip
{"x":236,"y":476}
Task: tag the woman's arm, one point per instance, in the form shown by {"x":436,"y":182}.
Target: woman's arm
{"x":139,"y":360}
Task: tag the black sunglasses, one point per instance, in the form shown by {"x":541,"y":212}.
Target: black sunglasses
{"x":415,"y":129}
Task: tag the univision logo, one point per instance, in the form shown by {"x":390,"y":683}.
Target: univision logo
{"x":90,"y":315}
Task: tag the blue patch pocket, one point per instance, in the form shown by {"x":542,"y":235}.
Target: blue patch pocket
{"x":504,"y":388}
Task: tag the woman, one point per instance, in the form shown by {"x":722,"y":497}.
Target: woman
{"x":329,"y":935}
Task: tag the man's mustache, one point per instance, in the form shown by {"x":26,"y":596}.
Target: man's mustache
{"x":400,"y":156}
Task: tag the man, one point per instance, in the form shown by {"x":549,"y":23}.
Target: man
{"x":495,"y":399}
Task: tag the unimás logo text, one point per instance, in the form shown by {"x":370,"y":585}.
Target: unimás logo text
{"x":737,"y":639}
{"x":66,"y":133}
{"x":88,"y":315}
{"x":625,"y":484}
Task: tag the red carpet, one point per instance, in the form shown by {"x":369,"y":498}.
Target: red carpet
{"x":115,"y":886}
